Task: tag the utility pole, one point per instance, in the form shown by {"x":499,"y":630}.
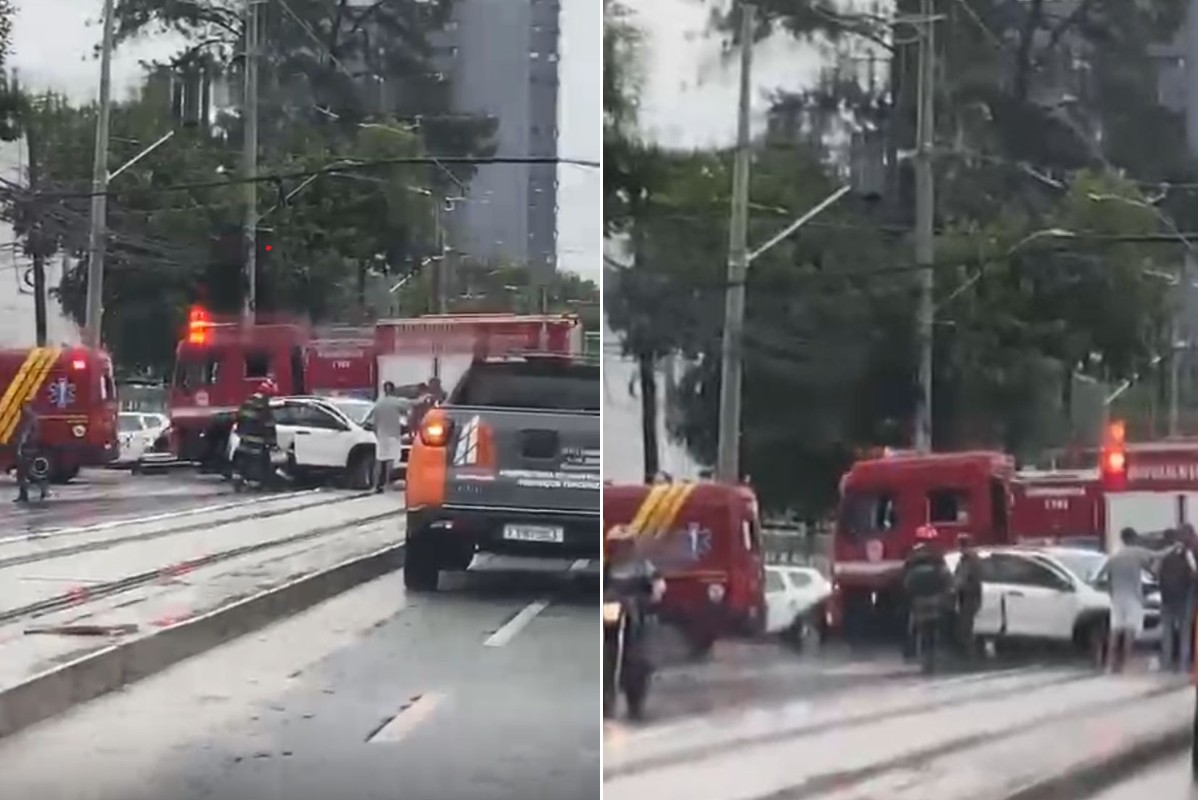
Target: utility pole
{"x":438,"y":275}
{"x":97,"y":234}
{"x":250,"y":157}
{"x":729,"y":430}
{"x":924,"y":220}
{"x":36,"y":242}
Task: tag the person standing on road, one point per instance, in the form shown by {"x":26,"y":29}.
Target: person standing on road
{"x":389,"y":432}
{"x":26,"y":444}
{"x":1125,"y":568}
{"x":968,"y":589}
{"x":1177,"y":584}
{"x":926,"y":582}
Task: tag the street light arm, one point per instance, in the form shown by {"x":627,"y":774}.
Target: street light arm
{"x":161,"y":140}
{"x":799,"y":223}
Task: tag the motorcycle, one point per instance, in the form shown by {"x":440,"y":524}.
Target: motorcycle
{"x":627,"y":667}
{"x":249,"y":466}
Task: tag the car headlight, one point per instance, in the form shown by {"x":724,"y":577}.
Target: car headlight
{"x":612,"y":613}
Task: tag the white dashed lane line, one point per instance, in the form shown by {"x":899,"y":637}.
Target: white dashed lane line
{"x":510,"y":629}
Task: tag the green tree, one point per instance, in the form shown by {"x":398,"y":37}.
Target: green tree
{"x":171,"y":246}
{"x":334,"y":65}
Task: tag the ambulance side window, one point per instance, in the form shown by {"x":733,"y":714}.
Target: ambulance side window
{"x":948,"y":506}
{"x":750,"y":537}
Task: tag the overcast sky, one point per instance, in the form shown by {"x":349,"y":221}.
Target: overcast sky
{"x":53,"y":45}
{"x":689,"y":92}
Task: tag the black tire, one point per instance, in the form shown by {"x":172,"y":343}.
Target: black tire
{"x":360,"y":470}
{"x":636,"y":689}
{"x":421,"y":568}
{"x":700,"y":645}
{"x":1090,"y":638}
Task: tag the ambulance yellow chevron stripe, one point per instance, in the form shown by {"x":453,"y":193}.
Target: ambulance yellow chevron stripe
{"x":24,"y":386}
{"x":671,"y":508}
{"x":648,"y":507}
{"x":659,"y":508}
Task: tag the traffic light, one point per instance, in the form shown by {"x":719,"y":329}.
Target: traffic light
{"x":199,"y":325}
{"x":1114,"y":460}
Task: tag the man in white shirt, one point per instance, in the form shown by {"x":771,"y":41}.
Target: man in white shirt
{"x":389,"y":431}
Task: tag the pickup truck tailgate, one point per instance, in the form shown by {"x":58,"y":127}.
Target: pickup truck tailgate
{"x":540,"y":462}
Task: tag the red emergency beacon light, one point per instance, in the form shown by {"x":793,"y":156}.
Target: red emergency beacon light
{"x":199,"y":325}
{"x":1114,"y":461}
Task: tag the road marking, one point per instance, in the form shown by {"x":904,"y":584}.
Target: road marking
{"x":579,"y":565}
{"x":514,"y":626}
{"x":408,"y":718}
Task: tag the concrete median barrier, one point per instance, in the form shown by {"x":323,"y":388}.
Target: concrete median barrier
{"x":56,"y":690}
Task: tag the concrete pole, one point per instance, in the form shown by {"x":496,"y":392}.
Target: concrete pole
{"x":729,"y":431}
{"x":250,"y":159}
{"x":923,"y":235}
{"x":97,"y":233}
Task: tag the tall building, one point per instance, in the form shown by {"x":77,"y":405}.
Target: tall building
{"x":502,"y":58}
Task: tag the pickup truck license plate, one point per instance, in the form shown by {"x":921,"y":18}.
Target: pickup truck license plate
{"x":533,"y":533}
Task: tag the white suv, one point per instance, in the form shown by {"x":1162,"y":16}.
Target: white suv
{"x":324,"y":437}
{"x":1033,"y":595}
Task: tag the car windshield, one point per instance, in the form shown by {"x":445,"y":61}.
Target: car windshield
{"x":1084,"y":566}
{"x":128,"y":422}
{"x":356,"y":410}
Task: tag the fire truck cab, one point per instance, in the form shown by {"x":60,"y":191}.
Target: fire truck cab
{"x":1150,"y":487}
{"x":218,"y":365}
{"x":884,"y":502}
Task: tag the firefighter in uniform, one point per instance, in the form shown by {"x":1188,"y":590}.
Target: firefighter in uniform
{"x":26,"y":444}
{"x":256,"y":431}
{"x":927,"y":583}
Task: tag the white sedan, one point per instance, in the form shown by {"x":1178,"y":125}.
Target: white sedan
{"x":1038,"y":595}
{"x":794,"y":597}
{"x":324,"y":436}
{"x":136,"y":432}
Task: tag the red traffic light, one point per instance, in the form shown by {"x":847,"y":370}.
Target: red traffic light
{"x":268,"y":248}
{"x":199,"y":322}
{"x":1114,"y":460}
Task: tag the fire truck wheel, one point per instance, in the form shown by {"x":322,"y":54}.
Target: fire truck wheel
{"x":63,"y":475}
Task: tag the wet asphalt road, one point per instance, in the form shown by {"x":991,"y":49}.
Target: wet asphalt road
{"x":98,"y":495}
{"x":486,"y":690}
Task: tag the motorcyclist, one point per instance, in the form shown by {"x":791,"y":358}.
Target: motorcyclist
{"x":26,"y":441}
{"x":636,"y":584}
{"x":256,"y":431}
{"x":927,"y":583}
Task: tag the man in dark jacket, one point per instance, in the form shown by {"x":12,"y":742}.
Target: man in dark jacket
{"x":926,"y":582}
{"x":968,"y":589}
{"x":25,"y":442}
{"x":1177,"y":585}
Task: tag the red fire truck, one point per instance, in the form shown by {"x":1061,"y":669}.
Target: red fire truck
{"x":72,"y":392}
{"x":1147,"y":486}
{"x":411,"y":351}
{"x":220,"y":363}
